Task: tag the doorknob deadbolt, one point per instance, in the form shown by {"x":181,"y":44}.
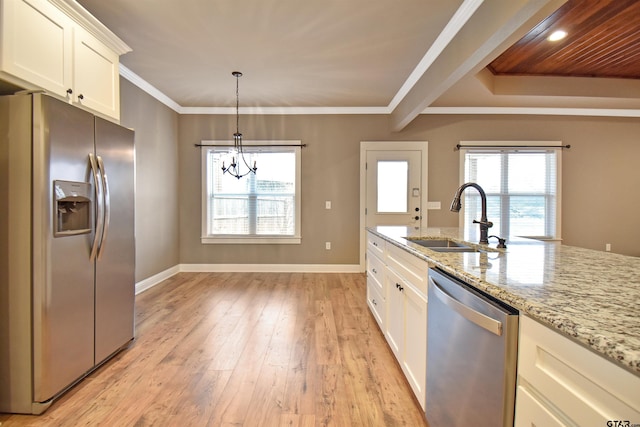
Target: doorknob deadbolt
{"x":417,"y":209}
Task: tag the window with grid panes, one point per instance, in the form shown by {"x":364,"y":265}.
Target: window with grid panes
{"x":522,"y":187}
{"x":257,"y":208}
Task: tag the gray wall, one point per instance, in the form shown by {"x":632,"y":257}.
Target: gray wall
{"x":330,"y":171}
{"x":599,"y":171}
{"x":156,"y":128}
{"x":600,"y":175}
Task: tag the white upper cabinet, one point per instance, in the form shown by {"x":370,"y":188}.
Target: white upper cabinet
{"x":96,"y":74}
{"x":37,"y":43}
{"x":56,"y":45}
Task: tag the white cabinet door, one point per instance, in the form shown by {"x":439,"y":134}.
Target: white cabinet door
{"x":37,"y":44}
{"x":96,"y":76}
{"x":376,"y":304}
{"x":406,"y":331}
{"x":580,"y":385}
{"x":414,"y":363}
{"x":395,"y":314}
{"x":531,"y":413}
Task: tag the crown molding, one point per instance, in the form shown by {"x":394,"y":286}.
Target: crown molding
{"x":538,"y":111}
{"x":149,"y":89}
{"x":541,"y":111}
{"x":86,"y":20}
{"x":266,"y":111}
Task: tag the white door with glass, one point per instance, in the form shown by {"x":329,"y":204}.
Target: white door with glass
{"x":393,"y":188}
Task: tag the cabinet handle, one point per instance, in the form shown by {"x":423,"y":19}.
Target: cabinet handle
{"x":81,"y":97}
{"x":398,"y":287}
{"x":69,"y":91}
{"x":375,"y":244}
{"x":374,"y":301}
{"x":374,"y":271}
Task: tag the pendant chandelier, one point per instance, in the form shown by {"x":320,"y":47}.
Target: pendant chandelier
{"x":234,"y":168}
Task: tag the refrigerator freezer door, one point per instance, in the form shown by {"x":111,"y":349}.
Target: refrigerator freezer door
{"x":115,"y":265}
{"x":63,"y":291}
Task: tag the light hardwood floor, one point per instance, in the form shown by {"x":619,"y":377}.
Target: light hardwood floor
{"x":245,"y":349}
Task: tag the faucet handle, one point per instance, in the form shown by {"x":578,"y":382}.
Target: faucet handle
{"x":487,"y":224}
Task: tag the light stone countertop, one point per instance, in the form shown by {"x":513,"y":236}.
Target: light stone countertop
{"x":590,"y":296}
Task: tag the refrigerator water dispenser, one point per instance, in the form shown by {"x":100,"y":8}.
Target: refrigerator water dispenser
{"x":72,"y":208}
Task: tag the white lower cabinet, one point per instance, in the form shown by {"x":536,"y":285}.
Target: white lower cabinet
{"x":561,"y":383}
{"x":406,"y":330}
{"x":414,"y":356}
{"x":376,"y":270}
{"x":394,"y":331}
{"x":397,"y":297}
{"x":532,"y":412}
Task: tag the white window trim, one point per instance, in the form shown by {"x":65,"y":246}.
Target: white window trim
{"x":266,"y":239}
{"x":505,"y":144}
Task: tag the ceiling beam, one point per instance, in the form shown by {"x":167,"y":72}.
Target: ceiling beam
{"x":495,"y":25}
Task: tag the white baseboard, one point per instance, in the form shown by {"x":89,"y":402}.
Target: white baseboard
{"x":150,"y":282}
{"x":272,"y":268}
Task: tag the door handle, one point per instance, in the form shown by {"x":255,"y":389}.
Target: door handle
{"x":106,"y":195}
{"x":99,"y":211}
{"x":492,"y":325}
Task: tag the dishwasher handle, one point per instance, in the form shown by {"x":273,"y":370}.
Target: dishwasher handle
{"x":490,"y":324}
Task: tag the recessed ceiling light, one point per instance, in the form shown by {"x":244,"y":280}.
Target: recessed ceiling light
{"x":557,"y":35}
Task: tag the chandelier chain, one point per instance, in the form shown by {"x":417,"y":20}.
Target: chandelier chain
{"x":234,"y":167}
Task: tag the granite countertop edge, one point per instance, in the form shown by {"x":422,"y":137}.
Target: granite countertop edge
{"x":626,"y":352}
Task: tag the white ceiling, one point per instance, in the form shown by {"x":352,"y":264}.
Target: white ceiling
{"x":382,"y":56}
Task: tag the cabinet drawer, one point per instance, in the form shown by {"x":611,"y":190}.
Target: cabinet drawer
{"x":376,"y":304}
{"x":408,"y":266}
{"x":586,"y":387}
{"x":376,"y":244}
{"x":375,"y":271}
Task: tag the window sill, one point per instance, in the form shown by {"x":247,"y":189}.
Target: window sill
{"x":266,"y":240}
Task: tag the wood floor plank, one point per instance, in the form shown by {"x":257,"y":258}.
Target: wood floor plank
{"x":245,"y":349}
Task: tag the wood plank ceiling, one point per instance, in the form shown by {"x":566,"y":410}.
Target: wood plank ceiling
{"x":603,"y":41}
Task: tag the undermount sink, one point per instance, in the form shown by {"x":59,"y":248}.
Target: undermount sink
{"x":443,"y":245}
{"x":455,"y":249}
{"x":437,"y":243}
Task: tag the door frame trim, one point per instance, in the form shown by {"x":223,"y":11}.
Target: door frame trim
{"x":423,"y":147}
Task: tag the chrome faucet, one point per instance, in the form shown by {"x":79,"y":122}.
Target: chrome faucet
{"x":484,"y":223}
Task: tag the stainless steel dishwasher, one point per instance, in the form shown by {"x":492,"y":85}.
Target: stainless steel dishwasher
{"x":471,"y":356}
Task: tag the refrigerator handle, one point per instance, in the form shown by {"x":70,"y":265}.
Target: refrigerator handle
{"x":106,"y":207}
{"x":99,"y":212}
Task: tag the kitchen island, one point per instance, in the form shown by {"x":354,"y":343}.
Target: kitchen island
{"x":589,"y":296}
{"x":578,"y":338}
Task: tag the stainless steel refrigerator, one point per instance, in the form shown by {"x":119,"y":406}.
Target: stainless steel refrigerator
{"x":67,"y":250}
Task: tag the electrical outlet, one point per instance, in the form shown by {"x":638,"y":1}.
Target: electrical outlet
{"x":607,"y":247}
{"x":327,"y":204}
{"x":327,"y":245}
